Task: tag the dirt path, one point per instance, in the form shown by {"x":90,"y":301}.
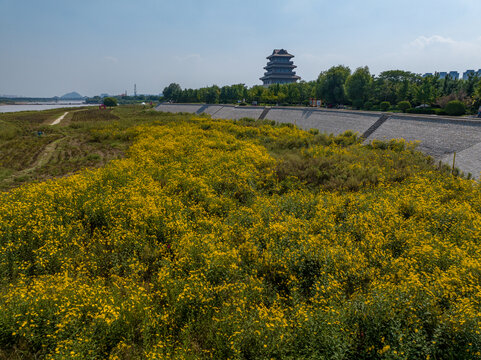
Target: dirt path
{"x":42,"y":159}
{"x":57,"y":121}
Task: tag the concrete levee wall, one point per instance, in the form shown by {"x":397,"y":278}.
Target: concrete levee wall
{"x":211,"y":110}
{"x":216,"y":111}
{"x":176,"y":108}
{"x":331,"y":122}
{"x":438,"y":137}
{"x":236,"y":113}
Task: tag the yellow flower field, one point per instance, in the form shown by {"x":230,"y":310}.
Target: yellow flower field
{"x":243,"y":240}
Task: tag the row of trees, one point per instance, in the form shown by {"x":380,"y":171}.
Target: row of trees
{"x":340,"y":86}
{"x":124,"y":99}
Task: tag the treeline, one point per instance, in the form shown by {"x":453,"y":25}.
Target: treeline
{"x":124,"y":99}
{"x":338,"y":86}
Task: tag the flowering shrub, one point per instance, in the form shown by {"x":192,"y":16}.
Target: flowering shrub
{"x":221,"y":239}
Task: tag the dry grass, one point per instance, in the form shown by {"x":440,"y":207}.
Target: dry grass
{"x":74,"y":144}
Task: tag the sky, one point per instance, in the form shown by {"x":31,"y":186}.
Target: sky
{"x":51,"y":47}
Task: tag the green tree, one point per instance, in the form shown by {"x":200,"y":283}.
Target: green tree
{"x":426,"y":91}
{"x":358,"y":86}
{"x":255,"y":93}
{"x":233,"y":93}
{"x":188,"y":95}
{"x":110,"y":101}
{"x":330,"y":85}
{"x":477,"y":91}
{"x":212,"y":95}
{"x":202,"y":95}
{"x":470,"y":84}
{"x":448,"y":86}
{"x":172,"y":92}
{"x":269,"y":95}
{"x":394,"y":86}
{"x":282,"y":95}
{"x":307,"y":90}
{"x":293,"y":93}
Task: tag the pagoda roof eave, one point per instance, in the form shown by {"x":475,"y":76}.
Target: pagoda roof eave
{"x":280,"y":55}
{"x":280,"y":77}
{"x":281,"y":66}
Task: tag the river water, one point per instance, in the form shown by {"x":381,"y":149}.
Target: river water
{"x":40,"y":106}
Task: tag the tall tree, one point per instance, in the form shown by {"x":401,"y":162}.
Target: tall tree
{"x":172,"y":92}
{"x":293,"y":93}
{"x":395,"y":86}
{"x":255,"y":93}
{"x":448,"y":86}
{"x":212,"y":95}
{"x":426,"y":91}
{"x":470,"y":84}
{"x":358,"y":86}
{"x":330,"y":85}
{"x":307,"y":90}
{"x":477,"y":94}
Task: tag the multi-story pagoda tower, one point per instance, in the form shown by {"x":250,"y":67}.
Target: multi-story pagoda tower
{"x":279,"y":69}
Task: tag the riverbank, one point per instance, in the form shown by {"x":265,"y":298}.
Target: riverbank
{"x":17,"y":107}
{"x":32,"y":150}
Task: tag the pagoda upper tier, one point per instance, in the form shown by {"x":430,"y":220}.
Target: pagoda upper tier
{"x":279,"y":68}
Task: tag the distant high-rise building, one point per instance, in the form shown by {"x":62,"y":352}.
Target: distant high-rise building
{"x":454,"y":75}
{"x":467,"y":74}
{"x":279,"y":68}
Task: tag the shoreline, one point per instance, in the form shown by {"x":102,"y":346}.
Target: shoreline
{"x":42,"y":103}
{"x":17,"y":107}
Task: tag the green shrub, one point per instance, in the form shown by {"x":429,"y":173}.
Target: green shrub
{"x":385,"y":106}
{"x":440,"y":112}
{"x":110,"y":101}
{"x":403,"y":105}
{"x":420,"y":111}
{"x":455,"y":108}
{"x":357,"y":104}
{"x":368,"y":105}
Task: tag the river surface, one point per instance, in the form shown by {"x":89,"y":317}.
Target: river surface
{"x":40,"y":106}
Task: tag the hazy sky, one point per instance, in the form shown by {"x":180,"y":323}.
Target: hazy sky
{"x":51,"y":47}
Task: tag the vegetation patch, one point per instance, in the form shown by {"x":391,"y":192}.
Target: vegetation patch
{"x":31,"y":149}
{"x":240,"y":239}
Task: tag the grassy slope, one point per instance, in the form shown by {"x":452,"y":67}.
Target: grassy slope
{"x":241,"y":240}
{"x":62,"y":149}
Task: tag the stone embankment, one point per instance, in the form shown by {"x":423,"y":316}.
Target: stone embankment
{"x":439,"y":137}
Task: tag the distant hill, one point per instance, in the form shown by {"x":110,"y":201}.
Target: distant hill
{"x":72,"y":96}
